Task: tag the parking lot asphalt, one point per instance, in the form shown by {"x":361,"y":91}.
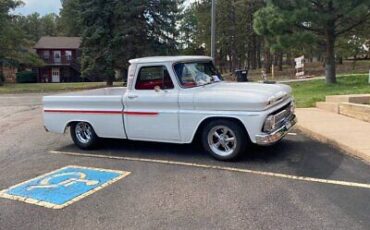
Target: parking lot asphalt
{"x":180,"y":186}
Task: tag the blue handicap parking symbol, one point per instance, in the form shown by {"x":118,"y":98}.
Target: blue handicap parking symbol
{"x":63,"y":187}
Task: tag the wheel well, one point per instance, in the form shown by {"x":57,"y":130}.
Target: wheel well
{"x":208,"y":120}
{"x":69,"y":124}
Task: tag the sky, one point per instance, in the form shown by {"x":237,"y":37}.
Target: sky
{"x":42,"y":7}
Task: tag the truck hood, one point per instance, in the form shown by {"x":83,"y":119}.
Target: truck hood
{"x":240,"y":96}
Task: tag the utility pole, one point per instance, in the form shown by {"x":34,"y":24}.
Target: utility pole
{"x":213,"y":31}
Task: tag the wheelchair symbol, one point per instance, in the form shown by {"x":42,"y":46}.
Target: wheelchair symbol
{"x":75,"y":177}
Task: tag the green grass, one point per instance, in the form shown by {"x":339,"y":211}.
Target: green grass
{"x":51,"y":87}
{"x":309,"y":92}
{"x":306,"y":93}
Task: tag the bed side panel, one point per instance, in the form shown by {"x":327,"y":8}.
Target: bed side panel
{"x":104,"y":113}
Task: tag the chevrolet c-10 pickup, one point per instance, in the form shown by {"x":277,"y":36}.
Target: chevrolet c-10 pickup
{"x":176,"y":100}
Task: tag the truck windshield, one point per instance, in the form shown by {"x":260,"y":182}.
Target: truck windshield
{"x":196,"y":74}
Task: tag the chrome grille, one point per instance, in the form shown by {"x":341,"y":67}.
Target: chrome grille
{"x":279,"y":117}
{"x":283,"y":115}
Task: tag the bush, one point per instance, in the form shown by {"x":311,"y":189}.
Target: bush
{"x":2,"y":79}
{"x":26,"y":77}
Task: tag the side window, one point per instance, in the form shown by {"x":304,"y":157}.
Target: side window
{"x":150,"y":77}
{"x":46,"y":54}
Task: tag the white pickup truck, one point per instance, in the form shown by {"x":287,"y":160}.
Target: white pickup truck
{"x":176,"y":100}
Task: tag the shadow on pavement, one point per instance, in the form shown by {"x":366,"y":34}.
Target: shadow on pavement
{"x":295,"y":155}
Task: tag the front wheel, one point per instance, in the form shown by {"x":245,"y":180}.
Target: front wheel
{"x":84,"y":136}
{"x":224,"y":139}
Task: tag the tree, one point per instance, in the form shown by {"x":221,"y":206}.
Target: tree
{"x":117,"y":31}
{"x":6,"y":28}
{"x":69,"y":23}
{"x":8,"y":34}
{"x":13,"y":42}
{"x":35,"y":26}
{"x":49,"y":24}
{"x":188,"y":29}
{"x":270,"y":24}
{"x":355,"y":45}
{"x":238,"y":45}
{"x":325,"y":21}
{"x":202,"y":29}
{"x":97,"y":37}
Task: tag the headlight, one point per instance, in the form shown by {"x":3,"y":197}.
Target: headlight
{"x":271,"y":100}
{"x":270,"y":124}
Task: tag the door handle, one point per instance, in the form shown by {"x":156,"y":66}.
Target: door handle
{"x":133,"y":96}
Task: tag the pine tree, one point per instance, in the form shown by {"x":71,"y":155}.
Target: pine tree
{"x":97,"y":37}
{"x":116,"y":31}
{"x":323,"y":21}
{"x":237,"y":44}
{"x":188,"y":29}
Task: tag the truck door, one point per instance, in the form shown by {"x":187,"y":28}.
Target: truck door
{"x":151,"y":106}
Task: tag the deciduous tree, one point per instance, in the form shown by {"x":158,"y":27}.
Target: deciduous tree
{"x":12,"y":40}
{"x":69,"y":23}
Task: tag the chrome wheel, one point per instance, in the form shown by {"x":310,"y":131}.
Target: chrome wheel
{"x":222,"y":141}
{"x":84,"y":132}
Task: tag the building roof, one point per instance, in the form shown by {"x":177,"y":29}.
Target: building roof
{"x":169,"y":59}
{"x":58,"y":43}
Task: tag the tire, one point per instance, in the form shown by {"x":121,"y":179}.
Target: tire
{"x":225,"y":140}
{"x":84,"y":136}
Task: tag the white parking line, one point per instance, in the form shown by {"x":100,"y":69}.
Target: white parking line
{"x":261,"y":173}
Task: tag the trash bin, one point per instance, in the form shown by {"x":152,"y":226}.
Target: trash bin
{"x":241,"y":75}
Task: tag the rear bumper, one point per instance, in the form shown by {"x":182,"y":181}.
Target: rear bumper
{"x":272,"y":138}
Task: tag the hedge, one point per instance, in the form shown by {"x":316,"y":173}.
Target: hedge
{"x":26,"y":77}
{"x":2,"y":79}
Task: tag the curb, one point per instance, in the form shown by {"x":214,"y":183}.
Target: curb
{"x":326,"y":140}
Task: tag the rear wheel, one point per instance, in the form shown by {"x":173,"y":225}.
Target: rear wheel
{"x":84,"y":136}
{"x":224,"y":139}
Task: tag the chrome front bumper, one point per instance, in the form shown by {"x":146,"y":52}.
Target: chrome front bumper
{"x":277,"y":135}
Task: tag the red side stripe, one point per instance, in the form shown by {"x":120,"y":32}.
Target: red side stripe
{"x":102,"y":112}
{"x":141,"y":113}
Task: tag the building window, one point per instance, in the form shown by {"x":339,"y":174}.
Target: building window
{"x":57,"y":56}
{"x":68,"y":54}
{"x":46,"y":54}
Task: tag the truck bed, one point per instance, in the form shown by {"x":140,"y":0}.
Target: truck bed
{"x":100,"y":107}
